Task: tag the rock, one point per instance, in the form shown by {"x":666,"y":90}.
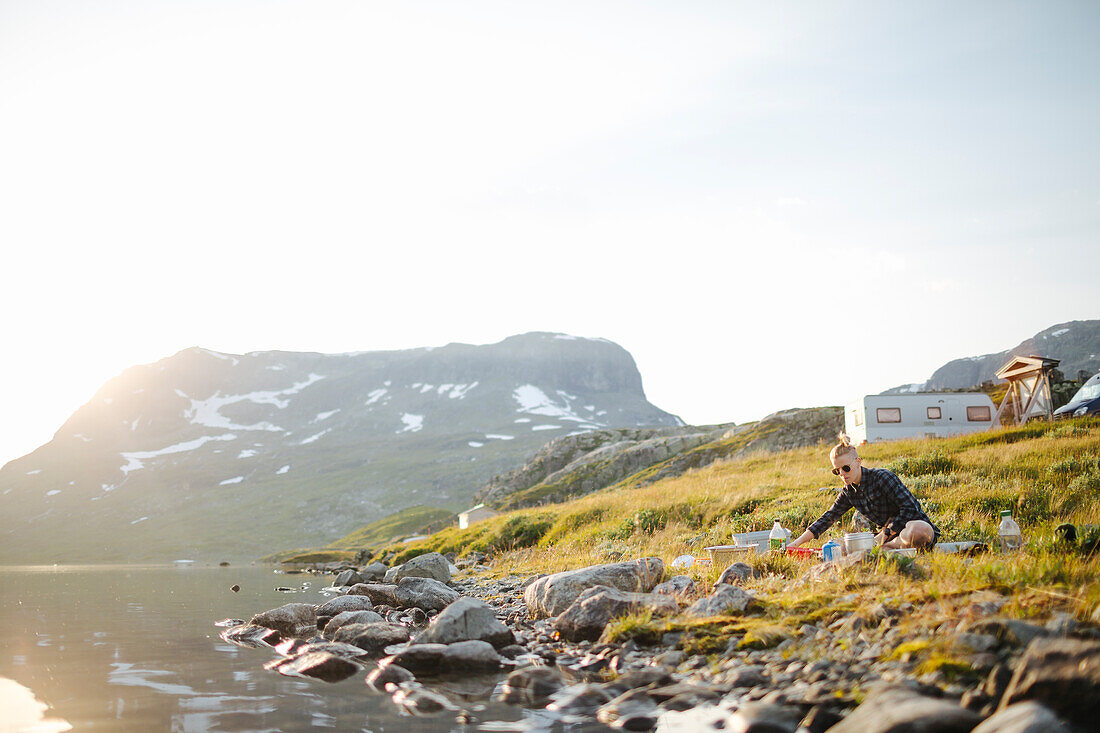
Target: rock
{"x":552,"y":594}
{"x":760,"y":717}
{"x":745,"y":675}
{"x":340,"y":649}
{"x":461,"y":657}
{"x":531,"y":686}
{"x":372,"y":637}
{"x":349,"y":617}
{"x":327,"y":610}
{"x":391,"y":575}
{"x":373,"y":573}
{"x":348,"y":577}
{"x":389,"y":675}
{"x":818,"y":720}
{"x":1064,"y":675}
{"x":901,"y":710}
{"x":424,"y":593}
{"x":1008,"y":631}
{"x":429,"y":565}
{"x":726,"y":599}
{"x":250,"y":635}
{"x":1024,"y":717}
{"x":735,"y":574}
{"x":596,"y":606}
{"x":632,"y":710}
{"x":293,"y":619}
{"x":680,"y":587}
{"x":320,"y":665}
{"x":465,"y":619}
{"x":580,"y":699}
{"x":417,"y":700}
{"x":380,"y":594}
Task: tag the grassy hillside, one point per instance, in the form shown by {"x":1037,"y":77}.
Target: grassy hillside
{"x":1045,"y":473}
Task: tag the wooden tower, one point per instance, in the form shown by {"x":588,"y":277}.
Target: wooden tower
{"x":1028,"y":388}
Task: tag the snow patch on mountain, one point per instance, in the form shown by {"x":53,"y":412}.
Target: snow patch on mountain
{"x":375,"y":395}
{"x":207,"y":412}
{"x":234,"y":480}
{"x":313,"y":438}
{"x":413,"y":423}
{"x":546,"y":427}
{"x":135,"y":459}
{"x":1060,"y":331}
{"x":283,"y":470}
{"x":325,"y":415}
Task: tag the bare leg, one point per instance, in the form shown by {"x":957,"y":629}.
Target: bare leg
{"x":917,"y":533}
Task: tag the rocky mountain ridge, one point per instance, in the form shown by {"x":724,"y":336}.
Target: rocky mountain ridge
{"x":1075,"y":343}
{"x":211,"y":455}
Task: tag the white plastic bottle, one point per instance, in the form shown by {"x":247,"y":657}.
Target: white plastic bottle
{"x":777,"y":538}
{"x":1008,"y":534}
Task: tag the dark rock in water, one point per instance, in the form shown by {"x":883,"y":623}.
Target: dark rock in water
{"x":726,"y":599}
{"x":433,"y":659}
{"x":372,"y":637}
{"x":735,"y":574}
{"x":392,"y":674}
{"x":819,"y":720}
{"x":378,"y":593}
{"x":327,"y":610}
{"x":1024,"y":717}
{"x":417,"y":700}
{"x":531,"y":686}
{"x":235,"y":588}
{"x":340,"y":649}
{"x":632,"y":710}
{"x":350,"y":617}
{"x":424,"y":593}
{"x":429,"y":565}
{"x":647,"y":677}
{"x":293,"y":619}
{"x":1064,"y":675}
{"x":901,"y":710}
{"x":251,"y":635}
{"x":552,"y":594}
{"x":580,"y":699}
{"x":465,"y":619}
{"x":596,"y":606}
{"x":320,"y":665}
{"x":223,"y":564}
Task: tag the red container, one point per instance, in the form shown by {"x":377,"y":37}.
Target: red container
{"x":804,"y":552}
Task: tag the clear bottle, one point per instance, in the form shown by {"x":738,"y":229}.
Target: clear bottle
{"x":777,"y":538}
{"x":1008,"y":534}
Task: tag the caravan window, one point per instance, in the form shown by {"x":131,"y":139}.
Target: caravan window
{"x":934,"y":413}
{"x":978,"y":413}
{"x":858,"y":416}
{"x":888,"y":414}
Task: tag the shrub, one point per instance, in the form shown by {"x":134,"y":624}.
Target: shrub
{"x":921,"y":484}
{"x":520,"y":531}
{"x":933,"y":462}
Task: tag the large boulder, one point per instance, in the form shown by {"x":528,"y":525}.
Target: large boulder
{"x":374,"y":573}
{"x":380,"y":594}
{"x":293,"y":619}
{"x":587,"y":616}
{"x":348,"y":577}
{"x":552,"y":594}
{"x":726,"y":599}
{"x":424,"y":593}
{"x":372,"y":637}
{"x":1064,"y":675}
{"x":901,"y":710}
{"x":466,"y":619}
{"x":430,"y":565}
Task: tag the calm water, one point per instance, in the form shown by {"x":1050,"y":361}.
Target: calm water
{"x":134,"y":648}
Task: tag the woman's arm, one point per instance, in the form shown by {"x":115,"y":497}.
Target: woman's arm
{"x":804,"y":537}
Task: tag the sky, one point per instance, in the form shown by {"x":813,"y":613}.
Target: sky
{"x":770,"y":205}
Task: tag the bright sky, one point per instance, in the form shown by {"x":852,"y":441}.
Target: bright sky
{"x":769,"y":205}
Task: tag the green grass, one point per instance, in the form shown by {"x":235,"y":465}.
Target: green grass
{"x":400,"y":524}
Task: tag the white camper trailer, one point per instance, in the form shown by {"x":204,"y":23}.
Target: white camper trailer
{"x":920,"y":415}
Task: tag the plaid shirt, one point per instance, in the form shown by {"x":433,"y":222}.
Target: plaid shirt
{"x":881,"y":497}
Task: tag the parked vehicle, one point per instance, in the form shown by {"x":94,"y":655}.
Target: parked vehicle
{"x":920,"y":415}
{"x":1085,"y":402}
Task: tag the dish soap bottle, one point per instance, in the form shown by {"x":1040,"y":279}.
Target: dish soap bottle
{"x":1008,"y":534}
{"x":777,"y":538}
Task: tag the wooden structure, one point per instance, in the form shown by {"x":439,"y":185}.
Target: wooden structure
{"x":1028,"y":388}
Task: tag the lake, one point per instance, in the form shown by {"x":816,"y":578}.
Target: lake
{"x":134,"y":648}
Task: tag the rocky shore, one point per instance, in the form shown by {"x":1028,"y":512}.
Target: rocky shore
{"x":438,"y":634}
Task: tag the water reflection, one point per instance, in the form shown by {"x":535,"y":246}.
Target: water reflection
{"x":22,"y":711}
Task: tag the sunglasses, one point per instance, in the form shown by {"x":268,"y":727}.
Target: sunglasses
{"x":845,"y":469}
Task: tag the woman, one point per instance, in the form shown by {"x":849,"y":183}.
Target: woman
{"x":881,"y":497}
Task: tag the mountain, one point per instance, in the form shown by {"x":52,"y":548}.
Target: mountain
{"x":1076,"y":344}
{"x":212,"y":456}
